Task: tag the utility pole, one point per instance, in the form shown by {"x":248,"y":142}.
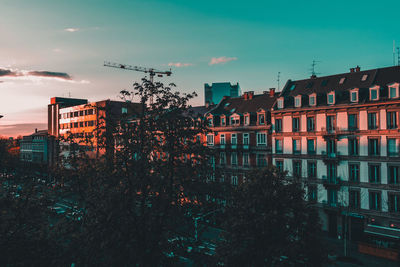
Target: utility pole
{"x":278,"y":79}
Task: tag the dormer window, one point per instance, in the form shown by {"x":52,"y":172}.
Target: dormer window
{"x":374,"y":93}
{"x":331,"y":98}
{"x":246,"y":119}
{"x":210,"y":121}
{"x":364,"y":77}
{"x":354,"y":96}
{"x":297,"y":101}
{"x":261,"y":119}
{"x":235,"y":119}
{"x":280,"y":103}
{"x":393,"y":90}
{"x":223,"y":120}
{"x":312,"y":100}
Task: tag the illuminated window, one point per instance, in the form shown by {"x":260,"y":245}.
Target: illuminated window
{"x":364,"y":77}
{"x":341,"y":81}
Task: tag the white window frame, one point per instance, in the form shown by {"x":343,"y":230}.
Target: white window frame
{"x":248,"y":139}
{"x":210,"y":139}
{"x":234,"y":180}
{"x":223,"y":118}
{"x":246,"y":162}
{"x":222,"y":138}
{"x":234,"y":137}
{"x":246,"y":119}
{"x":312,"y":96}
{"x":222,"y":155}
{"x":280,"y":104}
{"x":236,"y":119}
{"x":297,"y":101}
{"x":351,"y":93}
{"x":264,"y":142}
{"x":234,"y":159}
{"x":377,"y":93}
{"x":396,"y":87}
{"x":334,"y":98}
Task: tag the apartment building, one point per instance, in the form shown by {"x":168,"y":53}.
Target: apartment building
{"x":39,"y":148}
{"x":340,"y":135}
{"x":240,"y":134}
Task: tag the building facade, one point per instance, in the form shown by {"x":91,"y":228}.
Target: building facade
{"x":339,"y":134}
{"x":215,"y":92}
{"x":39,"y":148}
{"x":240,"y":134}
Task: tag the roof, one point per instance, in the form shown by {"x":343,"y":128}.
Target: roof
{"x":341,"y":84}
{"x":240,"y":105}
{"x":199,"y":111}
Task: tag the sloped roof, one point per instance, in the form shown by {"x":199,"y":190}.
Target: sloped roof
{"x":241,"y":105}
{"x":323,"y":85}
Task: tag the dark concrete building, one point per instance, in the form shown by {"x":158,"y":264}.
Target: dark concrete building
{"x":215,"y":92}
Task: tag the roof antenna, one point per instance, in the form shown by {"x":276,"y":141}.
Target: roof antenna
{"x":398,"y":56}
{"x":313,"y":73}
{"x":278,"y":79}
{"x":394,"y":54}
{"x":69,"y":94}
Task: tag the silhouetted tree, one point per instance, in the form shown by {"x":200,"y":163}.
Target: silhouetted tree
{"x":268,"y":223}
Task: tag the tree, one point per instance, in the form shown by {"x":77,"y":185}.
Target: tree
{"x":268,"y":223}
{"x":135,"y":199}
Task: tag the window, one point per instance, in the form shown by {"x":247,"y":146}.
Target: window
{"x":76,"y":125}
{"x":210,"y":139}
{"x":332,"y":197}
{"x":393,"y":92}
{"x":354,"y":199}
{"x":341,"y":81}
{"x":222,"y":158}
{"x":76,"y":114}
{"x":375,"y":200}
{"x":261,"y":119}
{"x":311,"y":100}
{"x":90,"y":112}
{"x":297,"y":168}
{"x":312,"y":193}
{"x":81,"y":124}
{"x":331,"y":147}
{"x":364,"y":77}
{"x":234,"y":158}
{"x":353,"y":146}
{"x":296,"y":124}
{"x":352,"y":120}
{"x":279,"y":165}
{"x":222,"y":139}
{"x":246,"y":159}
{"x":246,"y":139}
{"x":372,"y":121}
{"x":331,"y":98}
{"x":292,"y":87}
{"x":235,"y":120}
{"x":393,"y":174}
{"x":310,"y":124}
{"x":297,"y":101}
{"x":124,"y":110}
{"x":331,"y":171}
{"x":261,"y":139}
{"x":391,"y":147}
{"x":261,"y":160}
{"x":330,"y":123}
{"x":235,"y":180}
{"x":278,"y":146}
{"x":311,"y":146}
{"x":374,"y":173}
{"x":90,"y":123}
{"x":81,"y":113}
{"x":354,"y":172}
{"x":373,"y":147}
{"x":234,"y":139}
{"x":353,"y":96}
{"x":373,"y":94}
{"x":223,"y":122}
{"x":312,"y":169}
{"x":296,"y":146}
{"x":278,"y":125}
{"x":280,"y":103}
{"x":394,"y":202}
{"x":391,"y":119}
{"x":246,"y":120}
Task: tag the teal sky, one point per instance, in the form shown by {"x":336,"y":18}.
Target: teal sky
{"x":257,"y":39}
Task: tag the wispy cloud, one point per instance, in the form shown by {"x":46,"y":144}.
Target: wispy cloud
{"x":221,"y":60}
{"x":179,"y":64}
{"x":71,"y":29}
{"x":5,"y":73}
{"x":57,"y":50}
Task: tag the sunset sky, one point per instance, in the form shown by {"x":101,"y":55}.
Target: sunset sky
{"x":57,"y":48}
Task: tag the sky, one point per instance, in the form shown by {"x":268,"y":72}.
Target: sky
{"x":57,"y":48}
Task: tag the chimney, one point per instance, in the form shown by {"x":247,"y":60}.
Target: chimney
{"x":358,"y":68}
{"x":351,"y":70}
{"x":271,"y":92}
{"x":245,"y":95}
{"x":207,"y":104}
{"x":250,"y":94}
{"x":35,"y":130}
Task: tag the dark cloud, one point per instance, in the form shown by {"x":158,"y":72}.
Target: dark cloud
{"x":61,"y":75}
{"x":47,"y":74}
{"x":5,"y":72}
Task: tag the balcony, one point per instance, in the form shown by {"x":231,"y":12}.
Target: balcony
{"x":331,"y":181}
{"x":331,"y":157}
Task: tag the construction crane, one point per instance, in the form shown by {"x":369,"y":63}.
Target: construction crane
{"x":152,"y":72}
